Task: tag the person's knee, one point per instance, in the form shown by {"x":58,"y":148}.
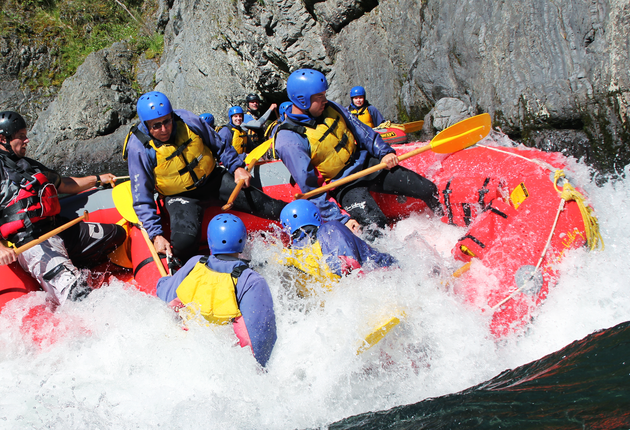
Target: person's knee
{"x":184,"y":245}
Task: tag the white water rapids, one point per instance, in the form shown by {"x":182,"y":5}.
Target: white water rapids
{"x":126,"y":363}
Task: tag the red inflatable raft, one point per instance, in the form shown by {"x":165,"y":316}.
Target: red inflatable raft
{"x":511,"y":202}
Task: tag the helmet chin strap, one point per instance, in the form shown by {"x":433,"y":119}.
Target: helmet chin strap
{"x":7,"y":146}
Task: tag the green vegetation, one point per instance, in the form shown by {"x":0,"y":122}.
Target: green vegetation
{"x":72,"y":29}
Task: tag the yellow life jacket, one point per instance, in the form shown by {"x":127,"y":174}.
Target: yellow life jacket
{"x":331,"y":141}
{"x":363,"y":115}
{"x":309,"y":260}
{"x":181,"y":165}
{"x":239,"y":138}
{"x":212,"y":293}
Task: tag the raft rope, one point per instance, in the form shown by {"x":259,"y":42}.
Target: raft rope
{"x":568,"y":193}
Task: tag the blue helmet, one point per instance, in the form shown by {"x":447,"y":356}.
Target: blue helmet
{"x":302,"y":84}
{"x":234,"y":110}
{"x":153,"y":105}
{"x":357,"y":91}
{"x":283,"y":108}
{"x":226,"y":234}
{"x":300,"y":213}
{"x":208,"y":118}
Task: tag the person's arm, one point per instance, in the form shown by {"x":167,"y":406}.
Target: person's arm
{"x":258,"y":123}
{"x":256,"y":305}
{"x":222,"y":149}
{"x":143,"y":187}
{"x":291,"y":148}
{"x":377,"y":118}
{"x":74,"y":185}
{"x":365,"y":137}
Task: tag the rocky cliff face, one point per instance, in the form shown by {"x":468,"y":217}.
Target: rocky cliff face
{"x":554,"y":74}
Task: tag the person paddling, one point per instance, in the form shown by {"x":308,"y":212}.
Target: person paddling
{"x":177,"y":154}
{"x":319,"y":141}
{"x":224,"y":289}
{"x":324,"y":251}
{"x":29,"y":208}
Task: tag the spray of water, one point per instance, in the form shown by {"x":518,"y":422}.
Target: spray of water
{"x":120,"y":359}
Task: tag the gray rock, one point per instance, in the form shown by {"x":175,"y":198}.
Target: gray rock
{"x":558,"y":70}
{"x":449,"y":111}
{"x":96,"y":101}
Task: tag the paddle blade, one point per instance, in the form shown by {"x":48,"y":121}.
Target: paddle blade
{"x":124,"y":202}
{"x":410,"y":127}
{"x":259,"y":151}
{"x":462,"y":135}
{"x":380,"y":331}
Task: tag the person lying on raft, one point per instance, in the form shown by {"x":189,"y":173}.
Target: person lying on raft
{"x":223,"y":288}
{"x":324,"y":251}
{"x":29,"y":208}
{"x":320,"y":142}
{"x":178,"y":154}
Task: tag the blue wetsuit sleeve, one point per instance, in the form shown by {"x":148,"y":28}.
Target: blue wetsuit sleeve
{"x":223,"y":149}
{"x":337,"y":240}
{"x":377,"y":118}
{"x":141,"y":162}
{"x":256,"y":305}
{"x":167,"y":285}
{"x":293,"y":150}
{"x":365,"y":137}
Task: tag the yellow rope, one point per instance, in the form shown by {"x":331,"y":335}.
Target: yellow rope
{"x":591,"y":226}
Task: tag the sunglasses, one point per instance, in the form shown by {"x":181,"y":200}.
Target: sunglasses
{"x":159,"y":125}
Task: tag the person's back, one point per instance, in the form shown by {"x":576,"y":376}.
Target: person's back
{"x":223,"y":289}
{"x":325,"y":251}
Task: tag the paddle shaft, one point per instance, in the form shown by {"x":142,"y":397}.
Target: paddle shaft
{"x":152,"y":250}
{"x":52,"y":233}
{"x":238,"y":187}
{"x":360,"y":174}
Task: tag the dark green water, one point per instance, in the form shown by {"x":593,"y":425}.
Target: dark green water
{"x":586,"y":385}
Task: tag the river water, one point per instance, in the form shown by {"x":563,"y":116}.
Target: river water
{"x":121,"y":360}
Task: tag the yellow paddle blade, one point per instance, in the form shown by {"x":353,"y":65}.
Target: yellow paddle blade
{"x":410,"y":127}
{"x":124,"y":202}
{"x":380,"y":331}
{"x":258,"y":151}
{"x":462,"y":135}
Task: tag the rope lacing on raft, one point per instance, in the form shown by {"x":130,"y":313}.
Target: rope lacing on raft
{"x":568,"y":193}
{"x":591,"y":226}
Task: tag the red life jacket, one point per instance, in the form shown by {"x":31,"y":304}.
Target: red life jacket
{"x":35,"y":200}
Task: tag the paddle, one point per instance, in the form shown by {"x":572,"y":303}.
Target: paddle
{"x":239,"y":185}
{"x":455,"y":138}
{"x":124,"y":204}
{"x":258,"y":151}
{"x":52,"y":233}
{"x":408,"y":127}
